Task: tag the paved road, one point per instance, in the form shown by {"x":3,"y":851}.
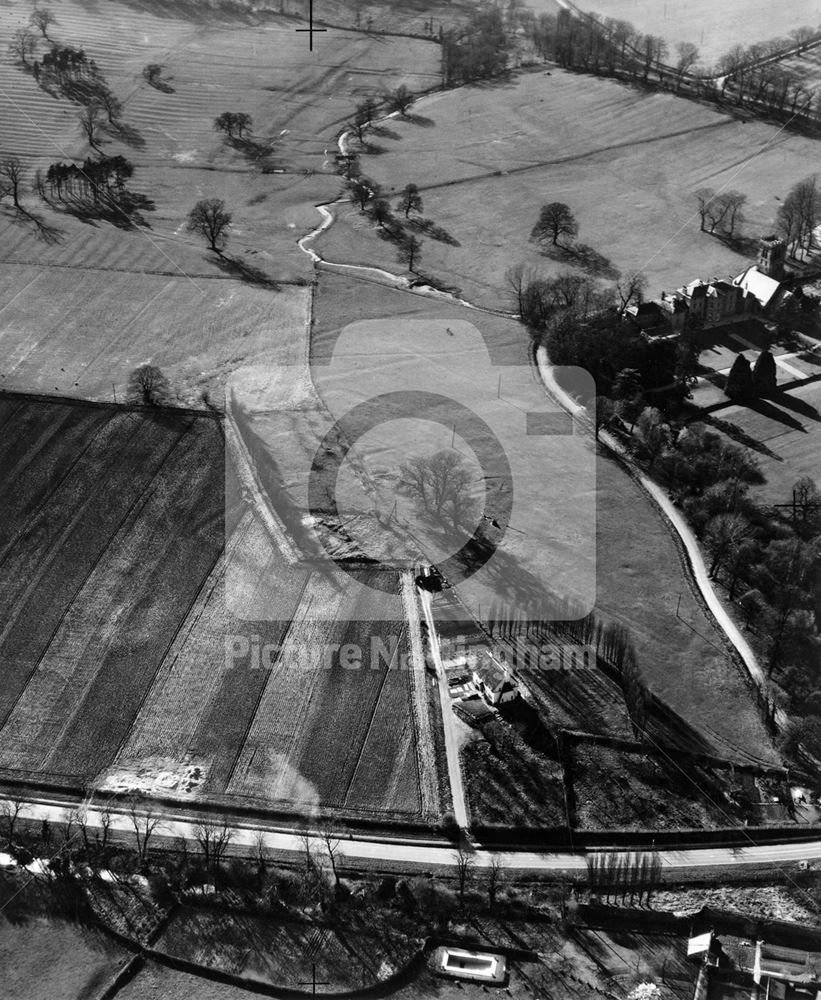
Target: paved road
{"x":457,"y":789}
{"x":693,"y":864}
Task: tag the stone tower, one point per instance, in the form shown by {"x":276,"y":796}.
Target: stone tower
{"x":772,"y":254}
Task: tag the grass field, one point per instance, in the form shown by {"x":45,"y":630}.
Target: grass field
{"x":713,"y":27}
{"x":283,"y":953}
{"x":808,"y":65}
{"x":120,"y":296}
{"x":626,"y":162}
{"x":681,"y":655}
{"x":47,"y":948}
{"x":91,"y":328}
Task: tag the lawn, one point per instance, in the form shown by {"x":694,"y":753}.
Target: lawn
{"x":783,"y":433}
{"x":626,"y":162}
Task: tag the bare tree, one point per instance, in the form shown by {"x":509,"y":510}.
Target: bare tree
{"x":362,"y":190}
{"x":381,"y":211}
{"x":400,"y":99}
{"x":703,"y":198}
{"x":603,"y":410}
{"x":366,"y":110}
{"x":463,"y":863}
{"x":105,"y":825}
{"x":735,"y":201}
{"x":213,"y":840}
{"x":144,"y":822}
{"x":410,"y":250}
{"x":261,"y":851}
{"x":233,"y":123}
{"x":410,"y":200}
{"x":22,"y":46}
{"x":112,"y":106}
{"x":495,"y":875}
{"x":149,"y":386}
{"x":555,"y":220}
{"x":654,"y":433}
{"x":686,"y":58}
{"x":629,"y":290}
{"x":210,"y":219}
{"x":518,"y":278}
{"x":440,"y":483}
{"x":11,"y":176}
{"x":89,"y":120}
{"x":42,"y":20}
{"x":10,"y":810}
{"x":332,"y":847}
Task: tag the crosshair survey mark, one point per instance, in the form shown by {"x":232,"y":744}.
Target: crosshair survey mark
{"x":310,"y":30}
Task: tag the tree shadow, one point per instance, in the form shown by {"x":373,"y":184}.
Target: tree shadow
{"x":125,"y":133}
{"x":125,"y":211}
{"x":252,"y":149}
{"x":746,"y":246}
{"x":371,"y":148}
{"x":742,"y":437}
{"x":43,"y":230}
{"x":429,"y":228}
{"x":243,"y":271}
{"x":767,"y":409}
{"x":583,"y":256}
{"x":796,"y":405}
{"x":384,"y":132}
{"x":421,"y":120}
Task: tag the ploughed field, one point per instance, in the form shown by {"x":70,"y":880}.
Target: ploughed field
{"x":126,"y":662}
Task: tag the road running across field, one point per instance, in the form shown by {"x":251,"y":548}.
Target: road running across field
{"x":691,"y":864}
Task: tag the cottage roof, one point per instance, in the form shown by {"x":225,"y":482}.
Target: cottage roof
{"x":492,"y":673}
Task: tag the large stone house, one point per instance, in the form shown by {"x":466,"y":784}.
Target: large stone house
{"x":758,"y":290}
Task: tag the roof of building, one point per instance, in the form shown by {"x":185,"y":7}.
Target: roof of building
{"x":492,"y":674}
{"x":790,"y":963}
{"x":761,"y":286}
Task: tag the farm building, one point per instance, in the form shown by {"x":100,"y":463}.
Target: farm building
{"x":765,"y":970}
{"x":494,"y":680}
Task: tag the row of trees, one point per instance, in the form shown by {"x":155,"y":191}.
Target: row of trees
{"x":95,"y":178}
{"x":799,"y":215}
{"x":750,"y":77}
{"x":476,"y":51}
{"x":720,"y":211}
{"x":624,"y":875}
